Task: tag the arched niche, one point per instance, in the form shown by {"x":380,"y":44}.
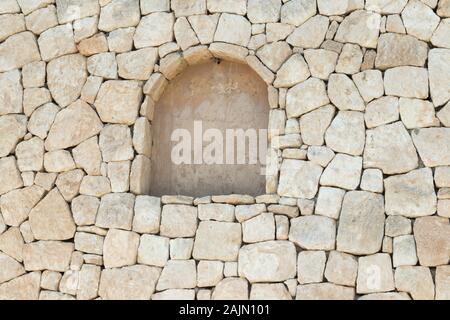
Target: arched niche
{"x":217,"y":94}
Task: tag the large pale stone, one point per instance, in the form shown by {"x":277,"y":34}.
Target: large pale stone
{"x":420,"y":20}
{"x":231,"y":289}
{"x":153,"y":250}
{"x":58,"y":161}
{"x":404,"y":251}
{"x":266,"y":291}
{"x":188,"y":7}
{"x":30,"y":155}
{"x":25,"y":287}
{"x":209,"y":273}
{"x":87,"y":155}
{"x":103,"y":65}
{"x":69,"y":10}
{"x":12,"y":129}
{"x":321,"y":62}
{"x":47,"y":255}
{"x":382,"y":111}
{"x":216,"y":211}
{"x":296,"y":12}
{"x":11,"y":24}
{"x":178,"y":274}
{"x":313,"y":232}
{"x":33,"y":98}
{"x":263,"y":11}
{"x":137,"y":65}
{"x":310,"y":34}
{"x":334,"y":8}
{"x":116,"y":211}
{"x":344,"y":172}
{"x":25,"y":43}
{"x":232,"y":6}
{"x":84,"y":210}
{"x":89,"y":243}
{"x":432,"y":145}
{"x":440,"y":36}
{"x":120,"y":248}
{"x":66,"y":77}
{"x":17,"y":204}
{"x":178,"y":221}
{"x":375,"y":274}
{"x":386,"y":6}
{"x":149,"y":6}
{"x":439,"y":70}
{"x":10,"y":268}
{"x":369,"y":84}
{"x":73,"y":125}
{"x":346,"y":133}
{"x":9,"y":175}
{"x":411,"y":195}
{"x":119,"y":14}
{"x":217,"y":241}
{"x":89,"y":278}
{"x":147,"y":214}
{"x":184,"y":35}
{"x":233,"y":29}
{"x":95,"y":186}
{"x":205,"y":25}
{"x":136,"y":282}
{"x":310,"y":266}
{"x":341,"y":268}
{"x":11,"y":92}
{"x":324,"y":291}
{"x":415,"y":280}
{"x":258,"y":229}
{"x":417,"y":113}
{"x":115,"y":143}
{"x":41,"y":120}
{"x":408,"y":82}
{"x":314,"y":124}
{"x":390,"y":155}
{"x":51,"y":219}
{"x":329,"y":202}
{"x":443,"y":283}
{"x":292,"y":72}
{"x":361,"y":224}
{"x":56,"y":42}
{"x":299,"y":179}
{"x":395,"y":50}
{"x":271,"y":261}
{"x":360,"y":27}
{"x":119,"y":101}
{"x":432,"y":235}
{"x":154,"y":30}
{"x":274,"y":54}
{"x":344,"y":94}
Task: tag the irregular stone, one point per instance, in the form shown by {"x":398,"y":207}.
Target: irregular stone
{"x":279,"y":261}
{"x":386,"y":6}
{"x":324,"y":291}
{"x":154,"y":30}
{"x":68,"y":183}
{"x":408,"y":82}
{"x":321,"y":62}
{"x":246,"y":212}
{"x":228,"y":22}
{"x":33,"y":98}
{"x":266,"y":291}
{"x":369,"y":84}
{"x":314,"y":124}
{"x":116,"y":211}
{"x":10,"y":268}
{"x":147,"y":214}
{"x":310,"y":266}
{"x":233,"y":6}
{"x":25,"y":287}
{"x":361,"y":224}
{"x":299,"y":179}
{"x":47,"y":255}
{"x":12,"y":129}
{"x":188,"y":7}
{"x":296,"y":12}
{"x":58,"y":161}
{"x":56,"y":42}
{"x":153,"y":250}
{"x":360,"y":27}
{"x":420,"y":20}
{"x":329,"y":202}
{"x":344,"y":172}
{"x":395,"y":50}
{"x":440,"y":35}
{"x":115,"y":143}
{"x":286,"y":77}
{"x":205,"y":25}
{"x":341,"y":268}
{"x":417,"y":113}
{"x":121,"y":40}
{"x":89,"y":243}
{"x":313,"y":232}
{"x":404,"y":251}
{"x":386,"y":296}
{"x":103,"y":65}
{"x":51,"y":218}
{"x":218,"y":212}
{"x":96,"y":186}
{"x":11,"y":243}
{"x":380,"y":147}
{"x":439,"y":71}
{"x":274,"y":54}
{"x":11,"y":24}
{"x":442,"y":283}
{"x":87,"y":156}
{"x":372,"y":180}
{"x":178,"y":274}
{"x":347,"y":133}
{"x":278,"y":31}
{"x":258,"y":229}
{"x":350,"y":59}
{"x":217,"y":241}
{"x":432,"y":240}
{"x":234,"y":199}
{"x":41,"y":120}
{"x":11,"y":92}
{"x":263,"y":11}
{"x":310,"y":34}
{"x":178,"y":221}
{"x":84,"y":210}
{"x":89,"y":278}
{"x":120,"y":248}
{"x":181,"y":248}
{"x":375,"y":274}
{"x":66,"y":12}
{"x":344,"y":94}
{"x":136,"y":282}
{"x":209,"y":273}
{"x":417,"y":281}
{"x":334,"y":8}
{"x":9,"y":175}
{"x":231,"y":289}
{"x":119,"y":14}
{"x":25,"y":43}
{"x":118,"y":101}
{"x":432,"y":146}
{"x":137,"y":65}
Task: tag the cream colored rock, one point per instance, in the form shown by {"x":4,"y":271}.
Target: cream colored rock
{"x":33,"y":74}
{"x":115,"y":143}
{"x":346,"y":133}
{"x":297,"y":12}
{"x":266,"y":291}
{"x":350,"y":59}
{"x":119,"y":14}
{"x":149,"y":6}
{"x":11,"y":243}
{"x":11,"y":24}
{"x":263,"y":11}
{"x":375,"y":274}
{"x":229,"y":52}
{"x":137,"y":282}
{"x":419,"y":20}
{"x":41,"y":120}
{"x":344,"y":94}
{"x":380,"y":147}
{"x":278,"y":31}
{"x":87,"y":156}
{"x":120,"y":248}
{"x":329,"y":202}
{"x":310,"y":34}
{"x":245,"y":212}
{"x":360,"y":27}
{"x":417,"y":281}
{"x":310,"y":266}
{"x":314,"y":124}
{"x":299,"y":179}
{"x":188,"y":7}
{"x":258,"y":229}
{"x":361,"y":223}
{"x":438,"y":69}
{"x":95,"y":186}
{"x":89,"y":278}
{"x":9,"y":175}
{"x":47,"y":255}
{"x":84,"y":210}
{"x":147,"y":214}
{"x":313,"y":232}
{"x":89,"y":243}
{"x":58,"y":161}
{"x":369,"y":84}
{"x":279,"y":261}
{"x":273,"y":55}
{"x":442,"y":283}
{"x":217,"y":241}
{"x":216,"y":211}
{"x":305,"y":97}
{"x":404,"y":251}
{"x":440,"y":35}
{"x":432,"y":147}
{"x":153,"y":250}
{"x":154,"y":30}
{"x":386,"y":6}
{"x":231,"y":289}
{"x":209,"y":273}
{"x":178,"y":274}
{"x":56,"y":42}
{"x":332,"y":8}
{"x":119,"y":101}
{"x":417,"y":113}
{"x":25,"y":287}
{"x":119,"y":175}
{"x":10,"y":6}
{"x":341,"y":269}
{"x":408,"y":82}
{"x":33,"y":98}
{"x":116,"y":211}
{"x":69,"y":10}
{"x":321,"y":62}
{"x":320,"y":154}
{"x":184,"y":35}
{"x":10,"y":268}
{"x":232,"y":6}
{"x":324,"y":291}
{"x":292,"y":72}
{"x":344,"y":172}
{"x":140,"y":175}
{"x":372,"y":180}
{"x":12,"y":129}
{"x":30,"y":155}
{"x":239,"y":23}
{"x":17,"y":204}
{"x":178,"y":221}
{"x":11,"y":92}
{"x":432,"y":240}
{"x":24,"y":42}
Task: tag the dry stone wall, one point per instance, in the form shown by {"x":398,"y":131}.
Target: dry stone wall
{"x":360,"y":205}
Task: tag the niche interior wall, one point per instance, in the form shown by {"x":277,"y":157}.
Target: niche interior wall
{"x":357,"y":208}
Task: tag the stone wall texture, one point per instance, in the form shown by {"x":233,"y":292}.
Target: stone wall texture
{"x":359,"y":205}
